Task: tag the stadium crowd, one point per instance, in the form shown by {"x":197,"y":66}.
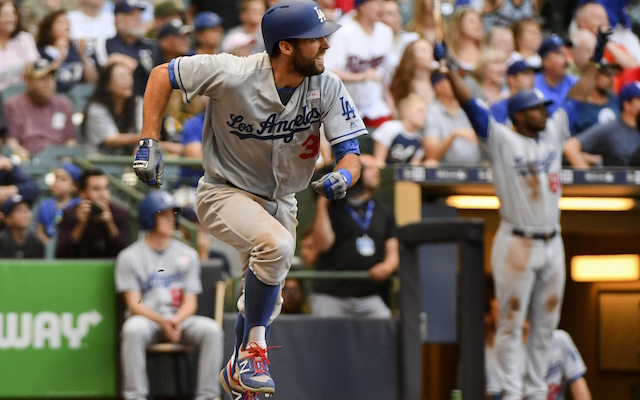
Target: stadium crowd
{"x":73,"y":73}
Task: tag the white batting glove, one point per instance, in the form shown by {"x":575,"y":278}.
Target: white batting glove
{"x":333,"y":185}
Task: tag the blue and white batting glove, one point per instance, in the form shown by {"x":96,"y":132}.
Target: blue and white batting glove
{"x":333,"y":185}
{"x":148,"y":163}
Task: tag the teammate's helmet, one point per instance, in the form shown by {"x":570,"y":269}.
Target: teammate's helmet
{"x":294,"y":19}
{"x":525,"y":99}
{"x":151,"y":205}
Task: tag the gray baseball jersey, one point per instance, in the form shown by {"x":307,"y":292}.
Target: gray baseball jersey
{"x":565,"y":365}
{"x":249,"y":138}
{"x":161,"y":278}
{"x":526,"y":172}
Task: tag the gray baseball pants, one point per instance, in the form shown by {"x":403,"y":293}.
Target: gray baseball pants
{"x":138,"y":332}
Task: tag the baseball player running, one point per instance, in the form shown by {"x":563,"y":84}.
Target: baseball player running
{"x":527,"y":255}
{"x":260,"y":142}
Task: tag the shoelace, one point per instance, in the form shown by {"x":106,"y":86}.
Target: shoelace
{"x":259,"y":356}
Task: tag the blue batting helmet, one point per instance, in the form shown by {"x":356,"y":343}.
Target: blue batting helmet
{"x":295,"y":19}
{"x":524,"y":100}
{"x":151,"y":205}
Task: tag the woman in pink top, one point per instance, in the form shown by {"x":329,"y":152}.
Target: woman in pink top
{"x":17,"y":47}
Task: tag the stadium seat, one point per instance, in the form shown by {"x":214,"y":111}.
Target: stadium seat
{"x":13,"y":90}
{"x":79,"y":95}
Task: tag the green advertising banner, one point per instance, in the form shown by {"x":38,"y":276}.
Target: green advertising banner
{"x":57,"y":329}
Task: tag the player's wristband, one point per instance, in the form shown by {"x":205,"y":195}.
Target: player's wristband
{"x":347,"y":175}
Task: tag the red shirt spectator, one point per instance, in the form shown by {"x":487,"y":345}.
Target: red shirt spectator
{"x":40,"y":117}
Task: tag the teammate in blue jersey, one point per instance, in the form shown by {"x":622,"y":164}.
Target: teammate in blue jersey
{"x":527,"y":257}
{"x":261,"y":140}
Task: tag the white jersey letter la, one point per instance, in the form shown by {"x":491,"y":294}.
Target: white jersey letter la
{"x":321,"y":16}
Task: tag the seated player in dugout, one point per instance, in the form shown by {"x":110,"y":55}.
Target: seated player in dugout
{"x":159,"y":277}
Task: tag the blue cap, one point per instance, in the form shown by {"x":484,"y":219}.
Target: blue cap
{"x":552,"y":43}
{"x":524,"y":100}
{"x":127,"y":6}
{"x":295,"y":19}
{"x":519,"y":66}
{"x":72,"y":170}
{"x":629,"y":91}
{"x":206,"y":20}
{"x":12,"y":202}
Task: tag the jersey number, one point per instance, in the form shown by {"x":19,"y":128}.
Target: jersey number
{"x":554,"y":182}
{"x":311,"y":146}
{"x":176,"y":297}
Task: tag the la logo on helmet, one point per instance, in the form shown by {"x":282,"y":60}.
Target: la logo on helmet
{"x":321,"y":16}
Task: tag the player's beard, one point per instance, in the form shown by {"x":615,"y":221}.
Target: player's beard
{"x":305,"y":66}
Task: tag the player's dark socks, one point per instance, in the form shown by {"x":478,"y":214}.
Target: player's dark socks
{"x":259,"y":301}
{"x":239,"y":329}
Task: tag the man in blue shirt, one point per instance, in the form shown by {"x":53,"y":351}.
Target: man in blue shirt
{"x":615,"y":141}
{"x":602,"y":104}
{"x":553,"y":81}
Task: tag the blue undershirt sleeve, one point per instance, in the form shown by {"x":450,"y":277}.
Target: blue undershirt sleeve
{"x":343,"y":148}
{"x":172,"y":75}
{"x":478,"y":116}
{"x":572,"y":108}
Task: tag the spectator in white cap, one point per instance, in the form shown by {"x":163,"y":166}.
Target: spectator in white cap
{"x":208,"y":32}
{"x":238,"y":43}
{"x":615,"y":141}
{"x":251,"y":12}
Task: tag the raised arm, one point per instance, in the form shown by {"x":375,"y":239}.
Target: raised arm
{"x":478,"y":115}
{"x":583,"y":87}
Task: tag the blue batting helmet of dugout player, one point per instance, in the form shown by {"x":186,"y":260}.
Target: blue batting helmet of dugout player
{"x":155,"y":202}
{"x":295,"y":19}
{"x":524,"y":100}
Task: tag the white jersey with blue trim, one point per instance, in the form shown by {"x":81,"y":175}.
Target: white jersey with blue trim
{"x":249,"y":137}
{"x":526,"y":172}
{"x":565,"y":365}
